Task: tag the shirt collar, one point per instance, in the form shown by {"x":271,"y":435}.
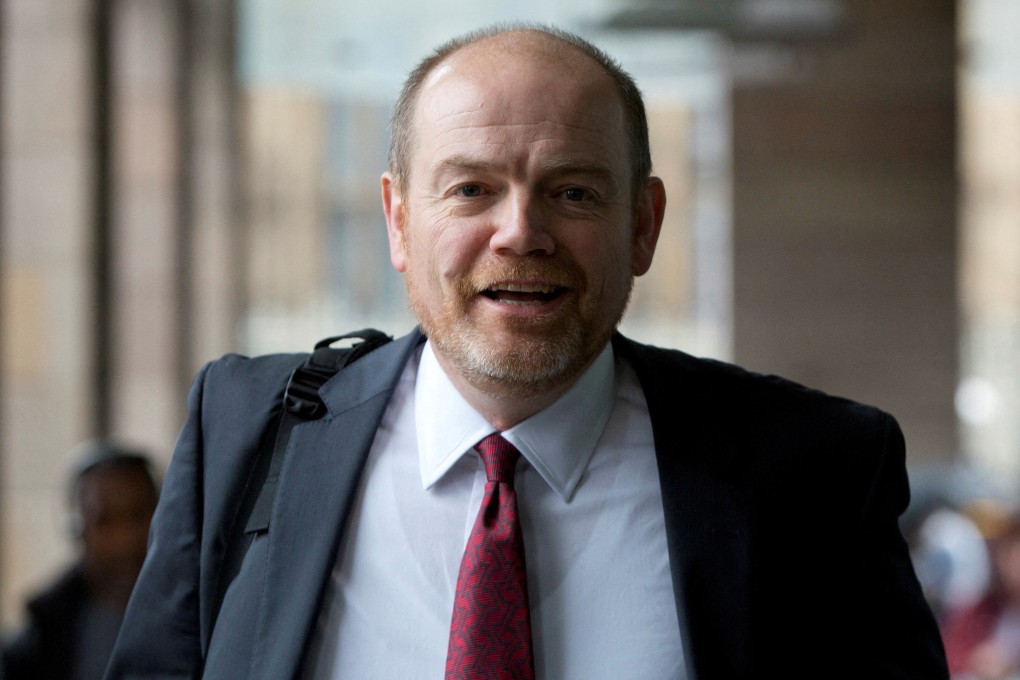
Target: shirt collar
{"x":557,"y":441}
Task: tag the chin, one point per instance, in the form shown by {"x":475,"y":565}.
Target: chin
{"x":519,"y":365}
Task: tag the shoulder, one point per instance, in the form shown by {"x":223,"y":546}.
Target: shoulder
{"x":238,"y":368}
{"x":33,"y":650}
{"x":247,"y":385}
{"x":738,"y":389}
{"x":240,"y":387}
{"x":786,"y":445}
{"x":65,"y":594}
{"x":723,"y":414}
{"x":269,"y":368}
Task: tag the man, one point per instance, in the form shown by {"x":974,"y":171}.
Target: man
{"x":680,"y":518}
{"x":74,"y":622}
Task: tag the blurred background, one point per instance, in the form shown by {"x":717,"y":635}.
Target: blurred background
{"x":184,"y":178}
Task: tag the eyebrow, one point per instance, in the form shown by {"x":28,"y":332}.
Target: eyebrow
{"x":463,"y":163}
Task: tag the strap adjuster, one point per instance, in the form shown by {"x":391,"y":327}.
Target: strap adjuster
{"x":302,"y":395}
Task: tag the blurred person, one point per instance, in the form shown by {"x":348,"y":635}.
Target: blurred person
{"x":681,"y":518}
{"x":950,"y":556}
{"x":944,"y":527}
{"x":982,"y":639}
{"x":73,"y":623}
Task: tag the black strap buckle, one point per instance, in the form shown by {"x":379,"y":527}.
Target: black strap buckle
{"x":302,"y":396}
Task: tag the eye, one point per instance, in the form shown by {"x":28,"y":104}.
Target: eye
{"x":469,"y":190}
{"x":576,"y":194}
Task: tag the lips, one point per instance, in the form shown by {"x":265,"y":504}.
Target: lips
{"x":522,"y":294}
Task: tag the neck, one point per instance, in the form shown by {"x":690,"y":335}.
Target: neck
{"x":112,"y":590}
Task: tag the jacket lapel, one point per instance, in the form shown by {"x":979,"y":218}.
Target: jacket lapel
{"x":318,"y":483}
{"x":705,"y":502}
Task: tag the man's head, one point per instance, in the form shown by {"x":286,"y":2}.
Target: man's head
{"x":113,"y":493}
{"x":519,"y":208}
{"x":402,"y":138}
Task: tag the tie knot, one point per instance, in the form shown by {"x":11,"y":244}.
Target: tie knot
{"x":499,"y":457}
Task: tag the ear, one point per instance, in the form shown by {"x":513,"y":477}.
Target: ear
{"x":393,"y":207}
{"x":651,"y":206}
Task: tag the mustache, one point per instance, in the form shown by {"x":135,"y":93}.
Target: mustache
{"x":558,"y":271}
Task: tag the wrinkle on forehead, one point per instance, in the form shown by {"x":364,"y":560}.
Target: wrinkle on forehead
{"x":464,"y":100}
{"x":543,"y":130}
{"x":487,"y":136}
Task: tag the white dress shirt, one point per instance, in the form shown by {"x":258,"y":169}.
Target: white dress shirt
{"x":599,"y":584}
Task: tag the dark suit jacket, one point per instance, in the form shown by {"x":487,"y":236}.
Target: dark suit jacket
{"x":44,"y":649}
{"x":781,"y":509}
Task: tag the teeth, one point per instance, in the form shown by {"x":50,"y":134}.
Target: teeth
{"x":520,"y":303}
{"x":522,"y":288}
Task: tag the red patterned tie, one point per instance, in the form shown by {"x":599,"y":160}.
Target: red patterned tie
{"x":490,"y":635}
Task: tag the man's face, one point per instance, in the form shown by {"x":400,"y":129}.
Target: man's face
{"x":517,"y":227}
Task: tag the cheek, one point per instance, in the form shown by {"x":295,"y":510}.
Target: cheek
{"x":605,"y":263}
{"x":462,"y":250}
{"x":428,"y":270}
{"x":448,"y":252}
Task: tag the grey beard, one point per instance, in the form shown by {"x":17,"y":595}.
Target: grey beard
{"x":528,"y":368}
{"x":530,"y":365}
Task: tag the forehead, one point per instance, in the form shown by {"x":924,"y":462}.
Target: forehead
{"x":114,"y":484}
{"x":525,"y":85}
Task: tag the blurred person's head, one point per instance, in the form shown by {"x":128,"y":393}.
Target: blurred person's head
{"x":113,"y":493}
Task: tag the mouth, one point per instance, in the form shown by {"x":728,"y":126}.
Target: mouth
{"x":523,"y":294}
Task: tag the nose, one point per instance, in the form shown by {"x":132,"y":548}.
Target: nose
{"x":521,"y":228}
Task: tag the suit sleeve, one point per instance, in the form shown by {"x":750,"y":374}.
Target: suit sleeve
{"x":160,"y":636}
{"x":898,"y":627}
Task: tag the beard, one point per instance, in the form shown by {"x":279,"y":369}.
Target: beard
{"x":521,"y":356}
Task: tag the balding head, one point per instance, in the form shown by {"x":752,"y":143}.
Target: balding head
{"x":525,"y":42}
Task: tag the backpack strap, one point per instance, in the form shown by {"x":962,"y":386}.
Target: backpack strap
{"x":301,"y":402}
